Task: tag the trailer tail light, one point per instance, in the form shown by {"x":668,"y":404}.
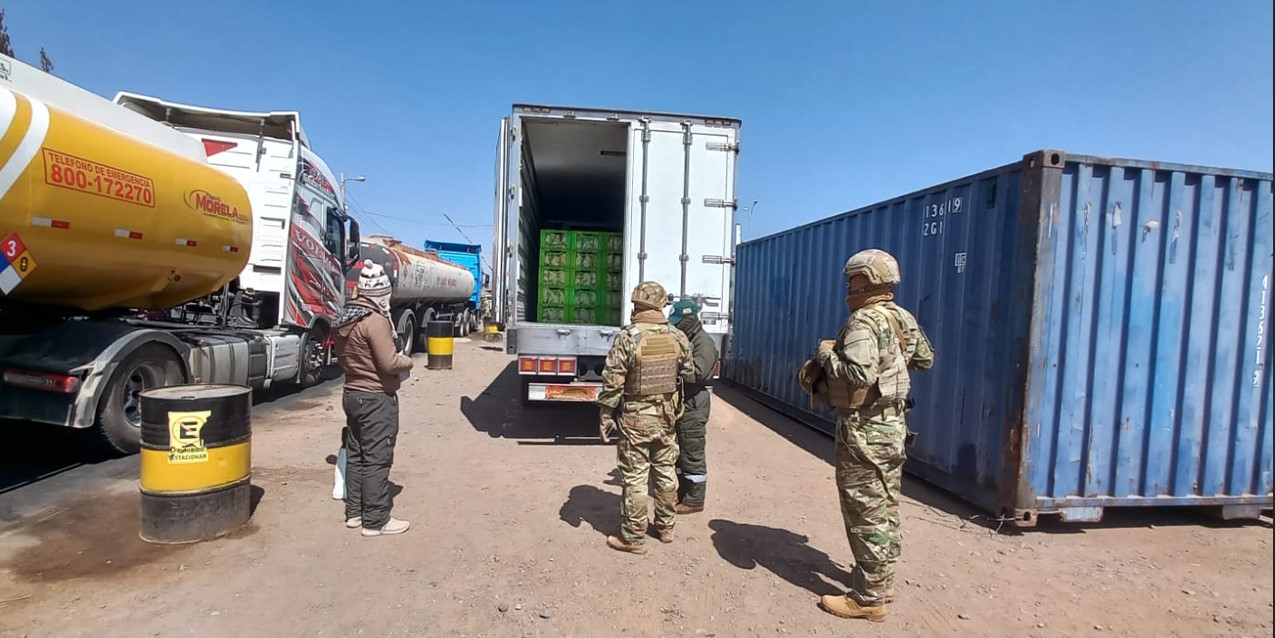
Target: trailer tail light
{"x":64,"y":383}
{"x":717,"y":370}
{"x":547,"y":365}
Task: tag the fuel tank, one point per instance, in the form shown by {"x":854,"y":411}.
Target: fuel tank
{"x":417,"y":275}
{"x":93,"y":218}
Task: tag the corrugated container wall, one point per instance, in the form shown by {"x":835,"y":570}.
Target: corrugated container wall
{"x":1101,"y":329}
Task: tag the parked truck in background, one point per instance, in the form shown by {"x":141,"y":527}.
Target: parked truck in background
{"x":664,"y":183}
{"x":425,"y":287}
{"x":148,"y":243}
{"x":469,"y":257}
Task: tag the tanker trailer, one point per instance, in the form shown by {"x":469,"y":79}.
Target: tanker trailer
{"x":426,"y":288}
{"x":108,"y":221}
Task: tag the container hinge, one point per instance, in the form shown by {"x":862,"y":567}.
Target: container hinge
{"x":718,"y":259}
{"x":722,"y":146}
{"x":713,"y":202}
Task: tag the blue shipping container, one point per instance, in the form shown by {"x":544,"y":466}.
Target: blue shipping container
{"x":1101,"y":329}
{"x":468,"y":256}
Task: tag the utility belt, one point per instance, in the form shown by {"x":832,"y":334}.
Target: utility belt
{"x":883,"y":409}
{"x":693,"y":389}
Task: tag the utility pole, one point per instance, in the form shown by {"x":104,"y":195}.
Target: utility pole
{"x":345,"y":208}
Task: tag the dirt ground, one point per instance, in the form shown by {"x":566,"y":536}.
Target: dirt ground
{"x":510,"y":511}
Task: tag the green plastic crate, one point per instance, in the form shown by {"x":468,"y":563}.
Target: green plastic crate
{"x":585,"y":261}
{"x":555,"y":258}
{"x":550,"y":297}
{"x":614,"y":243}
{"x":555,"y":240}
{"x":613,"y":317}
{"x":614,"y":281}
{"x":587,"y":242}
{"x":614,"y":262}
{"x":554,"y":314}
{"x":586,"y":315}
{"x":584,"y":279}
{"x":612,"y":298}
{"x":555,"y":277}
{"x":586,"y":298}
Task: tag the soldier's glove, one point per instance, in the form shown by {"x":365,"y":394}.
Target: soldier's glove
{"x":606,"y":423}
{"x":826,"y":346}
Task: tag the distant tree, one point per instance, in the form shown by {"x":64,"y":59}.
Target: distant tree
{"x":46,"y":64}
{"x":5,"y":46}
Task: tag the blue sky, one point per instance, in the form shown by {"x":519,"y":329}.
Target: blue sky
{"x":843,"y":103}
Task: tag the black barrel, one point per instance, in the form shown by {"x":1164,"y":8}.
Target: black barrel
{"x":439,"y":344}
{"x":196,"y":462}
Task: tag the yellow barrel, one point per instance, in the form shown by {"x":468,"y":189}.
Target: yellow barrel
{"x":439,"y":343}
{"x":491,"y":332}
{"x":196,"y":462}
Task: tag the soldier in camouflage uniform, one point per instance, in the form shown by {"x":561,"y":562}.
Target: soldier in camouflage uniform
{"x":642,"y":386}
{"x":692,"y":462}
{"x":866,"y":378}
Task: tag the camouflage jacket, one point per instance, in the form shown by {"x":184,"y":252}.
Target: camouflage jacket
{"x":622,"y":358}
{"x":866,"y":351}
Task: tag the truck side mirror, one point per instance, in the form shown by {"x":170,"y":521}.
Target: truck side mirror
{"x":353,"y":253}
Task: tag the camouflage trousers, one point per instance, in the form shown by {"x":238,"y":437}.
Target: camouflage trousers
{"x":870,"y":455}
{"x":646,"y":455}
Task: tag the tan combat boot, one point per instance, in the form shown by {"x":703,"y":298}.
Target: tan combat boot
{"x":683,"y":508}
{"x":619,"y":545}
{"x":665,"y":535}
{"x":847,"y":607}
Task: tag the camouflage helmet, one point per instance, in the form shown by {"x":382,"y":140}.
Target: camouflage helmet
{"x":875,"y":265}
{"x":650,"y":294}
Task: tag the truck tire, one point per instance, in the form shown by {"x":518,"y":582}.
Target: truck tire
{"x":312,"y":360}
{"x":408,"y":332}
{"x":460,"y":326}
{"x":119,"y":423}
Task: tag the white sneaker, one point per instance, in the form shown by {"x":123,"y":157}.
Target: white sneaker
{"x":394,"y":526}
{"x":354,"y":523}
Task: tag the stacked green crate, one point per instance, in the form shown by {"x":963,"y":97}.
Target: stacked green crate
{"x":580,"y":277}
{"x":554,"y":302}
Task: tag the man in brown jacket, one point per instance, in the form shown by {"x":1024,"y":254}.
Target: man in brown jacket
{"x":373,"y":371}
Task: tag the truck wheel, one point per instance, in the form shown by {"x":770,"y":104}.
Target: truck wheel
{"x":407,"y":334}
{"x":312,"y":359}
{"x":119,"y":418}
{"x":461,"y":325}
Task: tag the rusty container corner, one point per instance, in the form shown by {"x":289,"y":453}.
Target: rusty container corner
{"x":1101,"y":329}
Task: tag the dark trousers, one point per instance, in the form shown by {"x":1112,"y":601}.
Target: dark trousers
{"x":692,"y":461}
{"x":371,"y":430}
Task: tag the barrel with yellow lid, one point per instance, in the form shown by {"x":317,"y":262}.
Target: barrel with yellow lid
{"x":94,"y":218}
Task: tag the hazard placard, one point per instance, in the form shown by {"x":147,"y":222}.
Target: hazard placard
{"x":18,"y":262}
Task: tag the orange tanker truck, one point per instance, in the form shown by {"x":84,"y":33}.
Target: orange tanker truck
{"x":145,"y":243}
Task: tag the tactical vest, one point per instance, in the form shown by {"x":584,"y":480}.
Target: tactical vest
{"x":893,"y":383}
{"x":655,"y":366}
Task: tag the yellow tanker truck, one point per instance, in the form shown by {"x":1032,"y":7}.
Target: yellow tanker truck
{"x":145,"y":243}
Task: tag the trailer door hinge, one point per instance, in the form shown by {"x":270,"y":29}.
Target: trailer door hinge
{"x":732,"y":147}
{"x":718,"y":259}
{"x":715,"y":316}
{"x":713,"y":202}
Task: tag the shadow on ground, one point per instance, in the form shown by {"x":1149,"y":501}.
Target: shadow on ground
{"x":787,"y":554}
{"x":497,"y":411}
{"x":820,"y":444}
{"x":597,"y":507}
